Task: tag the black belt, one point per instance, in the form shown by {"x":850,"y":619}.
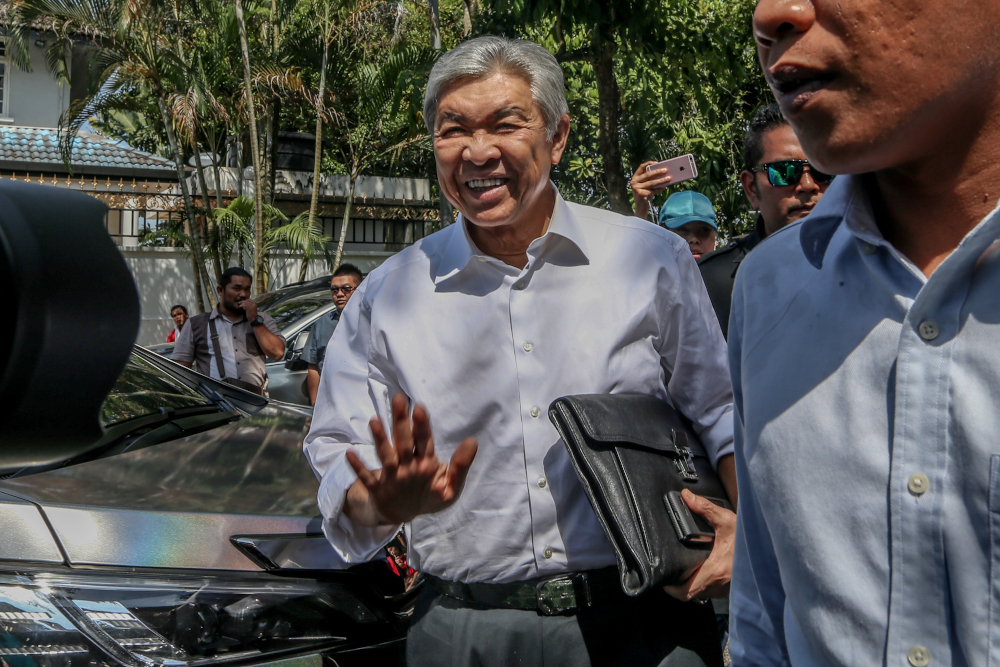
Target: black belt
{"x":557,"y":594}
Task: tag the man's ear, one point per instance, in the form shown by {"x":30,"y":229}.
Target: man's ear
{"x":749,"y":182}
{"x":560,"y":138}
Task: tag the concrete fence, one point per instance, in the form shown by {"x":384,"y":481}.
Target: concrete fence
{"x":164,"y":278}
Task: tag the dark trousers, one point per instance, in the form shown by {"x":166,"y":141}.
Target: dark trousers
{"x":634,"y":632}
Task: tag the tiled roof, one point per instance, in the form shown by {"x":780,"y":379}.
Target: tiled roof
{"x":26,"y":147}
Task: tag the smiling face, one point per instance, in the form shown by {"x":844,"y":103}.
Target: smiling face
{"x":876,"y":84}
{"x":493,"y":158}
{"x":780,"y":206}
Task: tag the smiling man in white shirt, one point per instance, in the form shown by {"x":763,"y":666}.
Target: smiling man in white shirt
{"x":480,"y":327}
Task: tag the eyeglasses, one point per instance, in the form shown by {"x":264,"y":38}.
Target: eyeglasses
{"x":784,"y":173}
{"x":346,"y":289}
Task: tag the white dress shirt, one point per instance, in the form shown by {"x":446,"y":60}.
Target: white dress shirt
{"x":606,"y":304}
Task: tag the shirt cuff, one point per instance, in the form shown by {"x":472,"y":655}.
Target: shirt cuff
{"x":353,"y":543}
{"x":718,"y":438}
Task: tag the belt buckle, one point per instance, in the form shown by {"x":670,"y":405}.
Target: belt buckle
{"x":558,"y":594}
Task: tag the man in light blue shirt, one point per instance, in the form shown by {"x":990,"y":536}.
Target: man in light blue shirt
{"x":864,"y":347}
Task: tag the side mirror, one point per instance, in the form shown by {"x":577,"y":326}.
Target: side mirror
{"x":75,"y":316}
{"x":295,"y":363}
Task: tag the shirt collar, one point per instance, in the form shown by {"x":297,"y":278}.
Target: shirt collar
{"x":215,"y":314}
{"x":845,"y":200}
{"x":460,"y":249}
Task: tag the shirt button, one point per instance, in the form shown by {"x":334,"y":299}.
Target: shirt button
{"x":547,"y":552}
{"x":481,"y":258}
{"x":527,"y":347}
{"x":928,"y":330}
{"x":534,"y":411}
{"x":919,"y":656}
{"x":542,"y":482}
{"x":869,"y":248}
{"x":918,"y":484}
{"x":519,"y":284}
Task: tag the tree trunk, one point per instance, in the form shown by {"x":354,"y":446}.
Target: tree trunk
{"x":206,"y":203}
{"x":318,"y":161}
{"x":469,"y":17}
{"x":347,"y":219}
{"x":196,"y":260}
{"x":259,"y":278}
{"x":447,"y":211}
{"x":435,"y":25}
{"x":608,"y":104}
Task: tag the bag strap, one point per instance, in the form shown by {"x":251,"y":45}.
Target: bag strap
{"x":217,"y":348}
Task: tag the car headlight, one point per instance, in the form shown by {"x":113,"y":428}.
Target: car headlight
{"x":78,"y":620}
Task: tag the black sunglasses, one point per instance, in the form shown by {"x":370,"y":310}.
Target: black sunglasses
{"x":784,"y":173}
{"x":346,"y":289}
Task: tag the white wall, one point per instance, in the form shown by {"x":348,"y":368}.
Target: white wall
{"x":36,"y":99}
{"x":164,"y":277}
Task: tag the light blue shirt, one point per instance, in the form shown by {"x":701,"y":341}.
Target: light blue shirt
{"x":867,"y":447}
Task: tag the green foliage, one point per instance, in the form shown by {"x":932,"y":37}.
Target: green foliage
{"x":686,"y":72}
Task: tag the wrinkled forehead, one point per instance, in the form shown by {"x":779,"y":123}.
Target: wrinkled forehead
{"x":489,"y":98}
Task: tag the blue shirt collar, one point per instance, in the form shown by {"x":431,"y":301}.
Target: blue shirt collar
{"x":844,"y":201}
{"x":460,"y":249}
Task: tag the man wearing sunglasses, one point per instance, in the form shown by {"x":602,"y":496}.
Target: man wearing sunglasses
{"x":780,"y":184}
{"x":345,"y":280}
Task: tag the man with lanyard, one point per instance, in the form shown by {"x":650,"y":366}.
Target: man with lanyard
{"x":345,"y":280}
{"x":479,"y":327}
{"x":232,"y":342}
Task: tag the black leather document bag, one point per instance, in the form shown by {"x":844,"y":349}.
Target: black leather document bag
{"x":634,"y":454}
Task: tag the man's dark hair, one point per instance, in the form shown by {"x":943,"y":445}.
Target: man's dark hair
{"x":232,"y":272}
{"x":349,"y":270}
{"x":173,"y":308}
{"x":765,"y":119}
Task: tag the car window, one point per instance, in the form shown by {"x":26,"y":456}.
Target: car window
{"x":142,"y":389}
{"x":291,"y":310}
{"x":265,"y":301}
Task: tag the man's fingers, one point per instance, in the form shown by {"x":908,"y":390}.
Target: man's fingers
{"x":458,"y":467}
{"x":680,"y":591}
{"x":423,"y":439}
{"x":402,"y":432}
{"x":367,"y":477}
{"x":705,"y":507}
{"x":384,"y":449}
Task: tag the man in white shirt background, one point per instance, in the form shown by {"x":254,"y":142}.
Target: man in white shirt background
{"x":479,"y":327}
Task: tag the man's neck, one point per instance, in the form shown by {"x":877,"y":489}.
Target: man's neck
{"x":509,"y":243}
{"x":231,"y":315}
{"x":926,"y":208}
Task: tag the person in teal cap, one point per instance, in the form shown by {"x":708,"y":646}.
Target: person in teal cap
{"x":689,"y":214}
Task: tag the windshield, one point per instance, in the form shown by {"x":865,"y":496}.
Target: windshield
{"x":291,"y":310}
{"x":265,"y":301}
{"x":142,"y":389}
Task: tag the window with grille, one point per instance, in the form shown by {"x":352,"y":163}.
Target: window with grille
{"x":3,"y":77}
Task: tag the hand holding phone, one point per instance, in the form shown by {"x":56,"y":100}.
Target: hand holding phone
{"x":680,"y":168}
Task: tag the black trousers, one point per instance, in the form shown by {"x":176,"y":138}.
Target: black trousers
{"x":635,"y":632}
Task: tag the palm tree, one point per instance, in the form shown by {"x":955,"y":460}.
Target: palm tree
{"x":135,"y":47}
{"x":382,"y":119}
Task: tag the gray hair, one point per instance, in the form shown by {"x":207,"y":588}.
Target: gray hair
{"x":490,"y":54}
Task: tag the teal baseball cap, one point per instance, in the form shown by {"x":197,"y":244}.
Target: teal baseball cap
{"x":687,"y":206}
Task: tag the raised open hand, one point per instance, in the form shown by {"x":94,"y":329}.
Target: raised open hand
{"x":413,"y":481}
